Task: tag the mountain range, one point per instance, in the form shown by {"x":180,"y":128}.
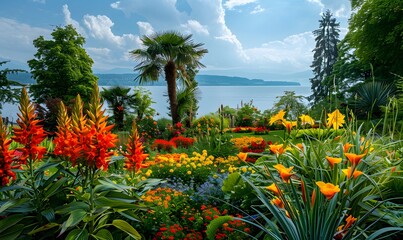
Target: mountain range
{"x":128,"y":79}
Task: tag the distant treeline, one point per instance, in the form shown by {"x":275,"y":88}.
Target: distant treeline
{"x":127,"y":79}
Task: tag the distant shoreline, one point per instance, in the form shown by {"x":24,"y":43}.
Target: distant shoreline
{"x":203,"y":80}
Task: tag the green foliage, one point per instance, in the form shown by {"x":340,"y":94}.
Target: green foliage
{"x":61,"y":67}
{"x":375,"y":33}
{"x":215,"y":224}
{"x":291,"y":103}
{"x":8,"y":93}
{"x":172,"y":53}
{"x":246,"y":115}
{"x":325,"y":55}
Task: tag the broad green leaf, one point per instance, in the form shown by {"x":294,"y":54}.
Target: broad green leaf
{"x":127,"y":228}
{"x":75,"y":217}
{"x":54,"y":187}
{"x":382,"y":231}
{"x":105,"y":202}
{"x":49,"y":214}
{"x":77,"y":234}
{"x":103,"y":234}
{"x":72,"y":206}
{"x":231,"y":181}
{"x":12,"y":203}
{"x":215,"y":224}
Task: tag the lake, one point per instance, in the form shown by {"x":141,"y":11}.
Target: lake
{"x":211,"y":97}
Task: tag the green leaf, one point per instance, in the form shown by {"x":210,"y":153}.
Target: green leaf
{"x":126,"y":227}
{"x":49,"y":214}
{"x":231,"y":181}
{"x":77,"y":234}
{"x":72,"y":206}
{"x":44,"y":228}
{"x":12,"y":203}
{"x":215,"y":224}
{"x":54,"y":187}
{"x":10,"y":222}
{"x":75,"y":217}
{"x":103,"y":234}
{"x":12,"y":233}
{"x":113,"y":203}
{"x":378,"y":233}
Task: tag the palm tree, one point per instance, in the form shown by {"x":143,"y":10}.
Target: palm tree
{"x":169,"y":53}
{"x":118,"y":99}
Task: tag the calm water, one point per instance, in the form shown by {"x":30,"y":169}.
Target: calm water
{"x":211,"y":97}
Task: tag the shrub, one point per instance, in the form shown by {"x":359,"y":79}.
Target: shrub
{"x":163,"y":145}
{"x":183,"y":142}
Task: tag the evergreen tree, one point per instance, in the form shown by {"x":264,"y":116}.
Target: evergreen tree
{"x":61,"y":67}
{"x":8,"y":93}
{"x":325,"y":55}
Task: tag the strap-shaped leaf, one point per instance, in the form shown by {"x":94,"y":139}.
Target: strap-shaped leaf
{"x":126,"y":227}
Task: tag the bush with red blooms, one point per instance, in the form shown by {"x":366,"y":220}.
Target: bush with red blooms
{"x":163,"y":145}
{"x":181,"y":141}
{"x":261,"y":130}
{"x":242,"y":130}
{"x":177,"y":129}
{"x":255,"y":147}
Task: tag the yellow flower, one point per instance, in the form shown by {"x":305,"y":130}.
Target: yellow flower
{"x":189,"y":172}
{"x":306,"y":119}
{"x":242,"y":156}
{"x":335,"y":119}
{"x":278,"y":117}
{"x":328,"y":189}
{"x":333,"y":160}
{"x":348,"y":173}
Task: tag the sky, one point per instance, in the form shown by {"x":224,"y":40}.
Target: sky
{"x":246,"y":38}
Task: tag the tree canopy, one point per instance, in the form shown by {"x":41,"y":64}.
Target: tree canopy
{"x":61,"y":67}
{"x":376,"y":35}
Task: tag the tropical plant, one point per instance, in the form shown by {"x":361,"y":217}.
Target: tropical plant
{"x":291,"y":103}
{"x":118,"y":99}
{"x":142,"y":102}
{"x":370,"y":98}
{"x":61,"y":67}
{"x":169,"y":52}
{"x":325,"y":55}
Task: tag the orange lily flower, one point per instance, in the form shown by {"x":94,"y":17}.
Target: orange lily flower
{"x":277,"y":201}
{"x":328,"y":189}
{"x":354,"y":158}
{"x":242,"y":156}
{"x":348,"y":173}
{"x":346,"y":147}
{"x":273,"y":187}
{"x":285,"y":173}
{"x":289,"y":125}
{"x":333,"y":160}
{"x":277,"y":149}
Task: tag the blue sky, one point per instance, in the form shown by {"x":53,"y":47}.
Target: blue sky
{"x":247,"y":38}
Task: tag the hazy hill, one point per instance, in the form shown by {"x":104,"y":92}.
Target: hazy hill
{"x":204,"y":80}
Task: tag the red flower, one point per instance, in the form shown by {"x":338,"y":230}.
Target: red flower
{"x":6,"y":157}
{"x":28,"y":133}
{"x":135,"y":153}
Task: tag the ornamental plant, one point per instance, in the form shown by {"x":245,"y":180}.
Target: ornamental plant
{"x":325,"y":190}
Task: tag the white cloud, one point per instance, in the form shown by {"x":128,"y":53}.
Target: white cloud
{"x":68,"y":20}
{"x":342,"y":12}
{"x":145,"y":28}
{"x":16,"y":46}
{"x":257,"y":9}
{"x":100,"y":27}
{"x":318,"y":2}
{"x":231,"y":4}
{"x":194,"y":26}
{"x":294,"y":51}
{"x":40,"y":1}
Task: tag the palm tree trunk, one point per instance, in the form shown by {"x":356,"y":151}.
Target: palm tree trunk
{"x":170,"y":77}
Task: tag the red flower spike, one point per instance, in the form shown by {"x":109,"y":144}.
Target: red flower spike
{"x":6,"y":157}
{"x":28,"y":133}
{"x":135,"y":153}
